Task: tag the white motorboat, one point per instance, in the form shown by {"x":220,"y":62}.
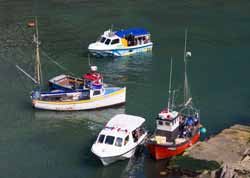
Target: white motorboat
{"x":122,"y":43}
{"x":119,"y":139}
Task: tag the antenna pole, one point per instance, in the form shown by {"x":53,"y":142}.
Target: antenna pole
{"x":173,"y":98}
{"x":170,"y":83}
{"x":112,"y":26}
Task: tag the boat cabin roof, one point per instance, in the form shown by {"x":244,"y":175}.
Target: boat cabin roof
{"x":167,"y":115}
{"x":92,"y":76}
{"x":132,"y":31}
{"x":124,"y":123}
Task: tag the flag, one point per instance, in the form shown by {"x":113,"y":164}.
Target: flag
{"x":31,"y":24}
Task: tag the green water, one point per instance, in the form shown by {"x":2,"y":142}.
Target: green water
{"x":39,"y":144}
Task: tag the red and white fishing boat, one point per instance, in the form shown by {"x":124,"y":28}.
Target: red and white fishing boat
{"x":175,"y":130}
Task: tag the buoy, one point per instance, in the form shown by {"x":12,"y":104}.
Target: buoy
{"x":203,"y":130}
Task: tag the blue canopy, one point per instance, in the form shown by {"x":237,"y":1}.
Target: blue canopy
{"x":132,"y":31}
{"x":189,"y":121}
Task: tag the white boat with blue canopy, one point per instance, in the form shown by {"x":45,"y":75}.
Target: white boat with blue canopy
{"x":122,"y":43}
{"x":119,"y":139}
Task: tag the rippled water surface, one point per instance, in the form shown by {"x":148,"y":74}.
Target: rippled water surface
{"x":43,"y":144}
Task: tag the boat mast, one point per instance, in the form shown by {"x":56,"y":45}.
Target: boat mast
{"x":186,"y":89}
{"x":173,"y":98}
{"x":37,"y":60}
{"x":170,"y":86}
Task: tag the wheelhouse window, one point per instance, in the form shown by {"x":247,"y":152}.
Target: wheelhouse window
{"x":107,"y":41}
{"x":101,"y":138}
{"x":167,"y":123}
{"x":109,"y":140}
{"x":118,"y":142}
{"x":97,"y":92}
{"x":102,"y":39}
{"x":160,"y":122}
{"x":115,"y":41}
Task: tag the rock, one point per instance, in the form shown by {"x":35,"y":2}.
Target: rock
{"x":230,"y":147}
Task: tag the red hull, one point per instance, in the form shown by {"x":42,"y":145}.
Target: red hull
{"x":162,"y":151}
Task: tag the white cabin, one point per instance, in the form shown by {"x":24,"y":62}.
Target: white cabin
{"x":167,"y":121}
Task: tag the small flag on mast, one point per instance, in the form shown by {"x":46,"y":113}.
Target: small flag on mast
{"x":31,"y":23}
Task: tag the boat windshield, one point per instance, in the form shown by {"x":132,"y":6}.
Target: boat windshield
{"x":102,"y":39}
{"x":101,"y":138}
{"x":109,"y":140}
{"x":107,"y":41}
{"x":118,"y":141}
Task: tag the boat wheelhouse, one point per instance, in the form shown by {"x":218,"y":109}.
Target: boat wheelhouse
{"x":122,"y":43}
{"x":119,"y":139}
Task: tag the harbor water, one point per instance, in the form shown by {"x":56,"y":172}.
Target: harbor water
{"x":45,"y":144}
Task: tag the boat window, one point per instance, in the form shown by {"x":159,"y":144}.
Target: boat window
{"x":126,"y":140}
{"x":167,"y":123}
{"x":107,"y":41}
{"x":109,"y":140}
{"x":160,"y":122}
{"x":102,"y":39}
{"x":135,"y":135}
{"x":101,"y":138}
{"x":118,"y":141}
{"x":97,"y":92}
{"x":84,"y":95}
{"x":115,"y":41}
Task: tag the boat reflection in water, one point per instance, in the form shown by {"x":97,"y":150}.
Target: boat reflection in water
{"x":100,"y":116}
{"x":127,"y":70}
{"x":127,"y":168}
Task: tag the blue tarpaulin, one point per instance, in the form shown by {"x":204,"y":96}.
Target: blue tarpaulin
{"x":132,"y":31}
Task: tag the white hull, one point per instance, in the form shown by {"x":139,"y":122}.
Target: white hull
{"x":108,"y":160}
{"x":121,"y":51}
{"x":111,"y":99}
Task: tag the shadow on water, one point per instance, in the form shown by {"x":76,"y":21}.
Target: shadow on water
{"x":153,"y":168}
{"x":100,"y":116}
{"x":135,"y":164}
